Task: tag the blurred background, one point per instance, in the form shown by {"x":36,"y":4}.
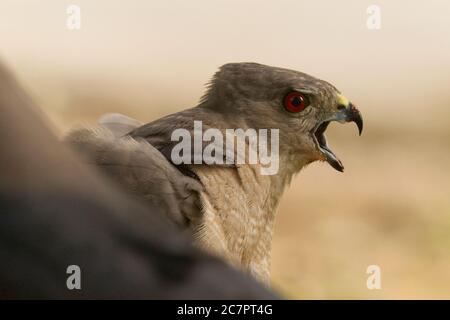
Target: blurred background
{"x":390,"y":208}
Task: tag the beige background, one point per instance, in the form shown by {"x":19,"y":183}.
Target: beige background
{"x":149,"y":58}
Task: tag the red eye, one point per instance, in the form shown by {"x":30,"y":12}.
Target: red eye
{"x":295,"y":102}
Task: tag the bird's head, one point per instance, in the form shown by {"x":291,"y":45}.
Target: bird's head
{"x":257,"y":96}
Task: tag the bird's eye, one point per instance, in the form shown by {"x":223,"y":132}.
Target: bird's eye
{"x":295,"y":102}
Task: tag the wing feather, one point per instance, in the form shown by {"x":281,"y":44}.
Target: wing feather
{"x":142,"y":170}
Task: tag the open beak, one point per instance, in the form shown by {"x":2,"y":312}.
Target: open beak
{"x":347,"y":113}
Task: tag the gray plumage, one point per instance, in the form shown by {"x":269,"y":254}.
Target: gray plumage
{"x":238,"y":204}
{"x":143,"y":170}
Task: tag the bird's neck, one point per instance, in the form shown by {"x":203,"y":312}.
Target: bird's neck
{"x":239,"y":203}
{"x":239,"y":213}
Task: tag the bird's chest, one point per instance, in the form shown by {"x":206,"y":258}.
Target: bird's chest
{"x":238,"y":214}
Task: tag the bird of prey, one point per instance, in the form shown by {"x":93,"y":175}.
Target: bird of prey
{"x":230,"y":209}
{"x":56,"y":212}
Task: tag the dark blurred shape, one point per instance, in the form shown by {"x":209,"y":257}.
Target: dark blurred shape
{"x":56,"y":212}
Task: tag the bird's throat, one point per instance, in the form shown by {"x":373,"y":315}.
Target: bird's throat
{"x":238,"y":214}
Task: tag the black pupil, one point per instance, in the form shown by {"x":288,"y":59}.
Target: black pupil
{"x":296,"y":101}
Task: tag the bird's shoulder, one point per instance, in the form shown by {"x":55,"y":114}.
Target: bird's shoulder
{"x":139,"y":167}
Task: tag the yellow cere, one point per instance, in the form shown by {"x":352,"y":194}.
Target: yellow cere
{"x":343,"y":100}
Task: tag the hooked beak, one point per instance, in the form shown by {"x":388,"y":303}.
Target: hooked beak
{"x":352,"y":114}
{"x":347,"y":113}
